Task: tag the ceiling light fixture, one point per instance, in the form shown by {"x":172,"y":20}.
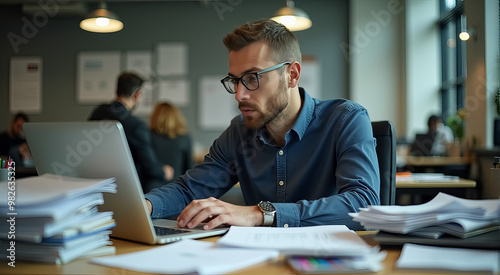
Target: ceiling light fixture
{"x":293,"y":18}
{"x":101,"y":20}
{"x":466,"y":33}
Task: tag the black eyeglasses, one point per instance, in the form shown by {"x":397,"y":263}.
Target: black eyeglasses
{"x":250,"y":80}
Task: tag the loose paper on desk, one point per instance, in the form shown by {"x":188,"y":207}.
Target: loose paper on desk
{"x":324,"y":240}
{"x":432,"y":257}
{"x":188,"y":256}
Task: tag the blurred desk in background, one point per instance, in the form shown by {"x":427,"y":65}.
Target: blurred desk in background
{"x":454,"y":166}
{"x":417,"y":192}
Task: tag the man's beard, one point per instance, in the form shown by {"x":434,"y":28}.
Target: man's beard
{"x":277,"y":104}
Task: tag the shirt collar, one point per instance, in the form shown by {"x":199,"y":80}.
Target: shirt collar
{"x":306,"y":114}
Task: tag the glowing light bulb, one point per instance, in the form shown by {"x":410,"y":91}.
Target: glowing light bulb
{"x":288,"y":20}
{"x":464,"y":36}
{"x":102,"y":21}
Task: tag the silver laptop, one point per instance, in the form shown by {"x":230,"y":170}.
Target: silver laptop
{"x":99,"y":149}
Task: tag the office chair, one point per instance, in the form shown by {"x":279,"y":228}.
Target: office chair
{"x":384,"y":133}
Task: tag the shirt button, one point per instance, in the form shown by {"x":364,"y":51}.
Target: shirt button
{"x":285,"y":225}
{"x":281,"y":183}
{"x":281,"y":152}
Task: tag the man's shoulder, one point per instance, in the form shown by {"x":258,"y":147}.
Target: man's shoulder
{"x":326,"y":108}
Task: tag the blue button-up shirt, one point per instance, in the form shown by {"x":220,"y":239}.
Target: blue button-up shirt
{"x":327,"y":168}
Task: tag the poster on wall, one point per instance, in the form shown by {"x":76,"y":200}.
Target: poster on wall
{"x":172,"y":59}
{"x":96,"y":76}
{"x":174,"y":91}
{"x":25,"y":90}
{"x":217,"y":107}
{"x":310,"y":77}
{"x":139,"y":62}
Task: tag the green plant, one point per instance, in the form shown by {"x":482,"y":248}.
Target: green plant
{"x":457,"y":123}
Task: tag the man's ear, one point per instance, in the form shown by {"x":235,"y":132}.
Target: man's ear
{"x":138,"y":94}
{"x":294,"y":74}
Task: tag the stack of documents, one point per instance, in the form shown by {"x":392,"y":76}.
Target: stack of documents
{"x":443,"y":214}
{"x":424,"y":257}
{"x":54,"y":218}
{"x":326,"y":241}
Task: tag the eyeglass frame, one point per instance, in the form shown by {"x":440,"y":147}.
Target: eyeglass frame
{"x":257,"y":76}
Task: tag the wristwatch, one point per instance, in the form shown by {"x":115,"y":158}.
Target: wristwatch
{"x":268,"y":211}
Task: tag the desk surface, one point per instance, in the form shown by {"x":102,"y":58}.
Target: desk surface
{"x":461,"y":183}
{"x":435,"y":161}
{"x":277,"y":266}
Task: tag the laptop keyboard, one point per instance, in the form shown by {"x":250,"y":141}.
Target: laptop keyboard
{"x":162,"y":231}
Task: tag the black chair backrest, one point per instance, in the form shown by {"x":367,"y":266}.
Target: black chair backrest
{"x":384,"y":132}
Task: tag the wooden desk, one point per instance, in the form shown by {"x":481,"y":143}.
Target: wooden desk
{"x":435,"y":161}
{"x":418,"y":192}
{"x":461,"y":183}
{"x":277,"y":266}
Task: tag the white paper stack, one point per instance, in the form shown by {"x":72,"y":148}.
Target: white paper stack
{"x":428,"y":258}
{"x":443,"y":214}
{"x":326,"y":241}
{"x":55,"y":218}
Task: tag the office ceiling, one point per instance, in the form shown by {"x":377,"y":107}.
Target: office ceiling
{"x":19,"y":2}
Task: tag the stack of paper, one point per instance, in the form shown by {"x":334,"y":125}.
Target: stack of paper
{"x":54,"y":218}
{"x":316,"y":241}
{"x":443,"y":214}
{"x":415,"y":256}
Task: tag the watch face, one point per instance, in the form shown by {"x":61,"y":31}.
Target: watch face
{"x":267,"y":206}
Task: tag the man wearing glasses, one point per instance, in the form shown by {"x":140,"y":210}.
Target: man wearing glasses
{"x":299,"y":161}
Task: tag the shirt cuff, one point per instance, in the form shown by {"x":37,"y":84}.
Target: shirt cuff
{"x":287,"y":214}
{"x":157,"y":204}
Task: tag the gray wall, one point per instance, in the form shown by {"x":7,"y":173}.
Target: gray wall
{"x":149,"y":23}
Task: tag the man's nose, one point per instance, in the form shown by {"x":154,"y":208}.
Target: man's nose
{"x":242,"y":93}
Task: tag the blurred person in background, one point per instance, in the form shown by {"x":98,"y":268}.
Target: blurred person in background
{"x":170,"y":139}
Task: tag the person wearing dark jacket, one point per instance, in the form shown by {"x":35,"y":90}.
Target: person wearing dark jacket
{"x":128,"y":92}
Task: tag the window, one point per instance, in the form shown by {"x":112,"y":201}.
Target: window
{"x":453,"y":57}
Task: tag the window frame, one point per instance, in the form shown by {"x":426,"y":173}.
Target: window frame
{"x":456,"y":15}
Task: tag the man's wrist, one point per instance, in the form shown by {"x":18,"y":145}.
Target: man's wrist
{"x":268,"y":212}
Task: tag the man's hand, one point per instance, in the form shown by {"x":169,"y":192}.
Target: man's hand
{"x":169,"y":172}
{"x":150,"y":206}
{"x":217,"y":212}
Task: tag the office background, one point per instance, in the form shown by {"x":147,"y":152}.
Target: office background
{"x":383,"y":54}
{"x":201,"y":25}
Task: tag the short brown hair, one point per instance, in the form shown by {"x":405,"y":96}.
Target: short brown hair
{"x":128,"y":84}
{"x":167,"y":120}
{"x":282,"y":42}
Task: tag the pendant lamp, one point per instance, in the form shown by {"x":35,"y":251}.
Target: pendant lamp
{"x":293,"y":18}
{"x":101,"y":20}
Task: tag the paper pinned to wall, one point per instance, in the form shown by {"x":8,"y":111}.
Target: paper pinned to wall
{"x":172,"y":59}
{"x":217,"y":107}
{"x":174,"y":91}
{"x":96,"y":76}
{"x":25,"y":84}
{"x":146,"y":102}
{"x":139,"y":62}
{"x":310,"y":77}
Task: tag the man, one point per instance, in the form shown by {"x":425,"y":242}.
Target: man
{"x":442,"y":134}
{"x":12,"y":141}
{"x":299,"y":161}
{"x":128,"y":93}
